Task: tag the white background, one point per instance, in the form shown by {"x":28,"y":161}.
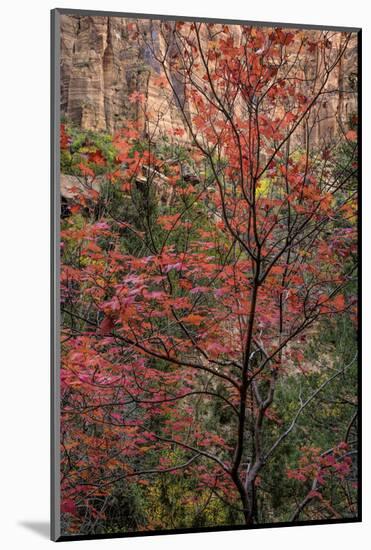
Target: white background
{"x":24,"y":270}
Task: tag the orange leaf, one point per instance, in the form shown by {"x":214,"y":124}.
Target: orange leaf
{"x":351,"y":135}
{"x":85,"y":170}
{"x":193,"y":319}
{"x":339,"y":302}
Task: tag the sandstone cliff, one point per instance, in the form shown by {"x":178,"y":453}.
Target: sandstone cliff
{"x":100,"y":68}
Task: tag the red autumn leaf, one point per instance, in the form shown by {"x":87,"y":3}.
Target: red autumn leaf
{"x":178,"y":132}
{"x":339,"y":302}
{"x":193,"y":319}
{"x":169,"y":222}
{"x":68,"y":506}
{"x":289,"y":117}
{"x":64,"y":138}
{"x":351,"y":135}
{"x":137,"y":97}
{"x":106,"y":325}
{"x":97,"y":158}
{"x":296,"y":474}
{"x":85,"y":170}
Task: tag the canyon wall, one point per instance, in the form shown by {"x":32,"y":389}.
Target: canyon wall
{"x":101,"y":67}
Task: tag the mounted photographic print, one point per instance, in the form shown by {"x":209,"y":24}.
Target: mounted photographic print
{"x":205,"y":238}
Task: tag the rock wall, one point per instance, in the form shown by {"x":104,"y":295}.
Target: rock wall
{"x":101,"y":68}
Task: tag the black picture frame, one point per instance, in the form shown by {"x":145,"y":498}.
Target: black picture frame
{"x":55,"y":266}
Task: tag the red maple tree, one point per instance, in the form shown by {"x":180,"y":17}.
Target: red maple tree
{"x":226,"y":285}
